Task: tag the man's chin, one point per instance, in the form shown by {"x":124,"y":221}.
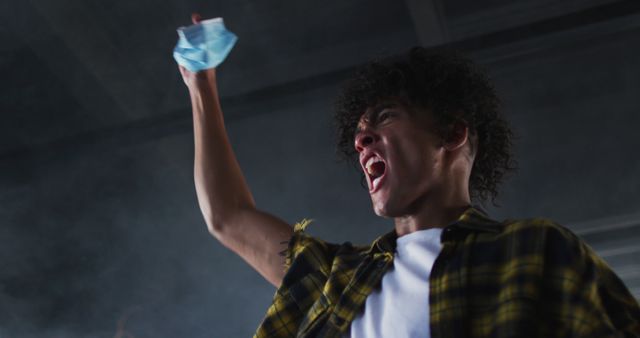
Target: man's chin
{"x":383,"y":210}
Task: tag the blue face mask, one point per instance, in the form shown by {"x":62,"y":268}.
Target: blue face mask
{"x":204,"y":45}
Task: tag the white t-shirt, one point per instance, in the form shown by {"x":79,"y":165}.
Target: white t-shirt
{"x":400,"y":307}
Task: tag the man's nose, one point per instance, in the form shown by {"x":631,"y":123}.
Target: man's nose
{"x":364,"y":139}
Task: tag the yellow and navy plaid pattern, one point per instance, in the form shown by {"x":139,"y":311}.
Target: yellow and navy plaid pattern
{"x":525,"y":278}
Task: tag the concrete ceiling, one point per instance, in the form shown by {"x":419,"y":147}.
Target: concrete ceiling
{"x":74,"y":68}
{"x":105,"y":64}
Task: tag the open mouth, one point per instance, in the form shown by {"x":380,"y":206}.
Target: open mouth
{"x":375,"y":169}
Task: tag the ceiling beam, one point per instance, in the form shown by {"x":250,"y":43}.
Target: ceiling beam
{"x":429,"y":21}
{"x":83,"y":33}
{"x":31,"y":30}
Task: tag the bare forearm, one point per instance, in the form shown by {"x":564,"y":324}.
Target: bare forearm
{"x":220,"y":185}
{"x":224,"y":197}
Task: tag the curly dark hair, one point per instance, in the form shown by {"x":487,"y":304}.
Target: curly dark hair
{"x":452,"y":88}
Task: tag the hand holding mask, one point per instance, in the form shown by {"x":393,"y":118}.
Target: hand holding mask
{"x":203,"y":45}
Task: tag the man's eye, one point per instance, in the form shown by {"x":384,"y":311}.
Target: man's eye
{"x":383,"y":116}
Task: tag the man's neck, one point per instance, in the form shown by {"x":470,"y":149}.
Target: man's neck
{"x":443,"y":205}
{"x":430,"y":216}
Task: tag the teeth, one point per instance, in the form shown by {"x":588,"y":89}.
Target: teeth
{"x":370,"y":162}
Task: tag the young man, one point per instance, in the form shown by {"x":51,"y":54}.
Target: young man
{"x":426,"y":130}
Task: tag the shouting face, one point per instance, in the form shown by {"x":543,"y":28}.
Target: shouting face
{"x":401,"y":155}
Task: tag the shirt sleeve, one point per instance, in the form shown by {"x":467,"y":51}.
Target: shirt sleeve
{"x":306,"y":254}
{"x":585,"y":294}
{"x":307,"y":264}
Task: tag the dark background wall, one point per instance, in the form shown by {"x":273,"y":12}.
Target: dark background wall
{"x":100,"y":230}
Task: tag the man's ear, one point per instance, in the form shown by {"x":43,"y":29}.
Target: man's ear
{"x":457,"y":135}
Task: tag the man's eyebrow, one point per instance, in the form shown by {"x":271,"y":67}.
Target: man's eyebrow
{"x":382,"y":106}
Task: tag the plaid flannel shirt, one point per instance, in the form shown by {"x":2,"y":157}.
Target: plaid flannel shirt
{"x":524,"y":278}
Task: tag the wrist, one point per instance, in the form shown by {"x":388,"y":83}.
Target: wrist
{"x":202,"y":80}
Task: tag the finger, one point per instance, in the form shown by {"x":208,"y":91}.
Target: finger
{"x":183,"y":71}
{"x":196,"y":18}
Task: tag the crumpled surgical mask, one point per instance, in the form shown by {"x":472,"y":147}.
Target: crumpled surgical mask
{"x":203,"y":45}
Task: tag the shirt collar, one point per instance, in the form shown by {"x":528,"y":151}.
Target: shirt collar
{"x":473,"y":219}
{"x":476,"y":219}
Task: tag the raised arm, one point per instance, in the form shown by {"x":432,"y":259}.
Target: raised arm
{"x":223,"y":195}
